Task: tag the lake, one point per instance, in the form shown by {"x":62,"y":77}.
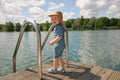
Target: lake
{"x":100,"y":48}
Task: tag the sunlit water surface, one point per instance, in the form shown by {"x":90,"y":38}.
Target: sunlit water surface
{"x":99,"y":48}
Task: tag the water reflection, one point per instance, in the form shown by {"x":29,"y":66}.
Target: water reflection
{"x":74,"y":46}
{"x":100,"y":48}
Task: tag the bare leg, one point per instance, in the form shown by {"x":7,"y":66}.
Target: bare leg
{"x":61,"y":62}
{"x":55,"y":63}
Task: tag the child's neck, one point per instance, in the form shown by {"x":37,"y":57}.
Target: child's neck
{"x":58,"y":23}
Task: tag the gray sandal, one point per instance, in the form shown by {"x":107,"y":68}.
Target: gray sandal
{"x":61,"y":70}
{"x":52,"y":71}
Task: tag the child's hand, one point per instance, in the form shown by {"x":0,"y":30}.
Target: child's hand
{"x":51,"y":43}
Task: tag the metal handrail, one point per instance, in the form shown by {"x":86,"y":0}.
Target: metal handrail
{"x":38,"y":46}
{"x":67,"y":48}
{"x":50,"y":29}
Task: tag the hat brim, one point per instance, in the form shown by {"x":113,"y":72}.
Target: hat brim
{"x":53,"y":14}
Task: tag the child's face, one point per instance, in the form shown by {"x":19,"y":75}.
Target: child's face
{"x":55,"y":20}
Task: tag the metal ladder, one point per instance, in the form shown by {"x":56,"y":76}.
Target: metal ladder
{"x":39,"y":47}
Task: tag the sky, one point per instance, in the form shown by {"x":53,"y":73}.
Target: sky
{"x":20,"y":10}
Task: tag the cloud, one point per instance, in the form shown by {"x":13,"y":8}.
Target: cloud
{"x":36,"y":10}
{"x":67,"y":15}
{"x":11,"y":10}
{"x":27,"y":3}
{"x":38,"y":3}
{"x":39,"y":14}
{"x":113,"y":10}
{"x":98,"y":8}
{"x":55,"y":6}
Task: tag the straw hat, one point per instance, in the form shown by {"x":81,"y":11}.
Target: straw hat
{"x":56,"y":13}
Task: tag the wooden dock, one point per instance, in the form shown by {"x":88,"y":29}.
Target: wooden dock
{"x":75,"y":71}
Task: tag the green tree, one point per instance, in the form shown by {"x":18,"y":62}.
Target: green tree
{"x":91,"y":24}
{"x":118,"y":24}
{"x":1,"y":27}
{"x":17,"y":26}
{"x":85,"y":25}
{"x":81,"y":22}
{"x":69,"y":23}
{"x":47,"y":24}
{"x":28,"y":27}
{"x":40,"y":27}
{"x":102,"y":23}
{"x":76,"y":24}
{"x":44,"y":27}
{"x":32,"y":28}
{"x":113,"y":21}
{"x":9,"y":26}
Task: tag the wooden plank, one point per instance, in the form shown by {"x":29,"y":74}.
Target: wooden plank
{"x":90,"y":73}
{"x":79,"y":69}
{"x":114,"y":76}
{"x":18,"y":75}
{"x":69,"y":70}
{"x":78,"y":72}
{"x":75,"y":71}
{"x":31,"y":73}
{"x":103,"y":74}
{"x":72,"y":72}
{"x":47,"y":76}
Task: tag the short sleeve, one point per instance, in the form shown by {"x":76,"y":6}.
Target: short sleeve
{"x":60,"y":32}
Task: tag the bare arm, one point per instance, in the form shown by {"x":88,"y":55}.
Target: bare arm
{"x":55,"y":40}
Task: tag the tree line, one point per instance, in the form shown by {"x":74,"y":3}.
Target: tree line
{"x":72,"y":24}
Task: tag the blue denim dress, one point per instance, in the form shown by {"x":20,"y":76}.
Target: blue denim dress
{"x":60,"y":45}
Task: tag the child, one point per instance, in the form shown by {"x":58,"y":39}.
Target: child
{"x":57,"y":21}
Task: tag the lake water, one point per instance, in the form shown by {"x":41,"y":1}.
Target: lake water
{"x":100,"y":48}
